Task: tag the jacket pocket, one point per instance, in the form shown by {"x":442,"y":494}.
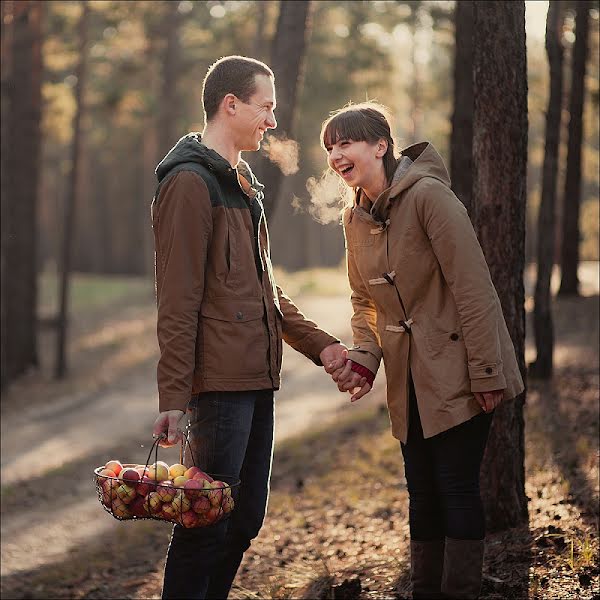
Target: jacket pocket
{"x":234,"y":339}
{"x":447,"y":363}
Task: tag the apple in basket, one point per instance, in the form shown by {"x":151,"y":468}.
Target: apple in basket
{"x":146,"y":485}
{"x":181,"y":503}
{"x":137,"y":507}
{"x":159,"y":471}
{"x":201,"y":505}
{"x":114,"y":465}
{"x":120,"y":509}
{"x":228,"y":504}
{"x":126,"y":493}
{"x":177,"y":470}
{"x":152,"y":503}
{"x":165,"y":491}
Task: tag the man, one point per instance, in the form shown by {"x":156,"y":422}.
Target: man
{"x":221,"y":318}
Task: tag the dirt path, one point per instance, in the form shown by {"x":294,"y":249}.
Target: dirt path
{"x":53,"y":434}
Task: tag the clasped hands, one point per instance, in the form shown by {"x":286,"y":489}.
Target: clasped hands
{"x":336,"y":362}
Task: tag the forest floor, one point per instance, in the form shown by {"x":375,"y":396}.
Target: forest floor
{"x":337,"y":523}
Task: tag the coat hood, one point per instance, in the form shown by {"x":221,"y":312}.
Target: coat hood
{"x":426,"y":162}
{"x":190,"y":148}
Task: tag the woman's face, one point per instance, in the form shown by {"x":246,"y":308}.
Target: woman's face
{"x":357,"y":163}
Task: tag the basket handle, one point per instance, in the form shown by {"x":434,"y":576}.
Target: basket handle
{"x":184,"y":440}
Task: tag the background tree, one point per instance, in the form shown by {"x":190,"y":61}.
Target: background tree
{"x":569,"y":284}
{"x":71,"y":201}
{"x":542,"y":322}
{"x":461,"y":167}
{"x":21,"y":142}
{"x":288,"y":54}
{"x":498,"y":214}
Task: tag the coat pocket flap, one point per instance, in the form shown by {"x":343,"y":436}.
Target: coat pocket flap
{"x":235,"y":310}
{"x":482,"y":371}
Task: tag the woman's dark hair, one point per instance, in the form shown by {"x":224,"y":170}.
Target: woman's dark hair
{"x":364,"y":122}
{"x":230,"y":75}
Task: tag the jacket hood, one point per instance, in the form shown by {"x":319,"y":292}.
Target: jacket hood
{"x":426,"y":162}
{"x":190,"y":148}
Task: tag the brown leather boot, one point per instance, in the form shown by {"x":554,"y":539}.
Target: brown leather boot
{"x":463,"y":561}
{"x":426,"y":563}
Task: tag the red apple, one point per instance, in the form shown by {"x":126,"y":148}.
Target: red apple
{"x":202,"y":475}
{"x":165,"y":491}
{"x":192,"y":488}
{"x":213,"y":515}
{"x":107,"y":473}
{"x":114,"y":465}
{"x":201,"y":505}
{"x":130,"y":476}
{"x":168,"y":512}
{"x":146,"y":486}
{"x":189,"y":519}
{"x":137,"y":507}
{"x":215,"y":495}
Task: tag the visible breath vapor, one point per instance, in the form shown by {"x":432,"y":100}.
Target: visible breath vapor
{"x":282,"y":152}
{"x":328,"y":195}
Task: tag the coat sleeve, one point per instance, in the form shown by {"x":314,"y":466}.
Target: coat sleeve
{"x":182,"y":223}
{"x":366,"y":350}
{"x":301,"y":333}
{"x":446,"y":222}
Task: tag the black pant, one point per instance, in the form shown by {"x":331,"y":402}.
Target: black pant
{"x":230,"y":433}
{"x":442,"y":473}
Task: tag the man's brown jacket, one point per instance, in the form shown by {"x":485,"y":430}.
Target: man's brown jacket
{"x":221,"y":317}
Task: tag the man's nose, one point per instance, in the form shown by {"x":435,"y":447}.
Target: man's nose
{"x":271,"y":121}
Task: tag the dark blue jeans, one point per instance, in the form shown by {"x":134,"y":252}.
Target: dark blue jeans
{"x":231,"y":433}
{"x":442,"y":474}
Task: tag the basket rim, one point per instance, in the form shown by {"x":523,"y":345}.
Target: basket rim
{"x":215,"y":477}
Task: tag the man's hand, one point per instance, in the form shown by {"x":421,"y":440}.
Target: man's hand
{"x":489,"y":400}
{"x":167,"y":422}
{"x":352,"y":382}
{"x":333,"y":357}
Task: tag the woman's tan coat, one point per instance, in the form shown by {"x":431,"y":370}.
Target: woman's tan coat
{"x":414,"y":262}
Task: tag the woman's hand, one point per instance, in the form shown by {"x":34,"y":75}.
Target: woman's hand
{"x":352,"y":382}
{"x":489,"y":400}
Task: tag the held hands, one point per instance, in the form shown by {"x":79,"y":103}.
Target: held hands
{"x":336,"y":363}
{"x":489,"y":400}
{"x":167,"y":422}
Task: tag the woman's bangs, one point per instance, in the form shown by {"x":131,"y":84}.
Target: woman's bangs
{"x":345,"y":126}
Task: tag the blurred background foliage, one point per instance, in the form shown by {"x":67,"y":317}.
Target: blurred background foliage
{"x":400,"y":53}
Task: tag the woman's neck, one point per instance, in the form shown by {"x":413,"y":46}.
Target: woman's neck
{"x":374,"y":188}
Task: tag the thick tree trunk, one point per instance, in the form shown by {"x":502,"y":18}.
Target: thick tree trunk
{"x":569,"y":284}
{"x":287,"y":61}
{"x":499,"y":196}
{"x":542,"y":314}
{"x":461,"y":146}
{"x":71,"y":199}
{"x":21,"y":116}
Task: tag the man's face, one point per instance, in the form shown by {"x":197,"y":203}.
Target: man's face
{"x":254,"y":117}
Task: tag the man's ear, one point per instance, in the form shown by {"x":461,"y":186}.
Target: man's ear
{"x":229,"y":104}
{"x":382,"y":146}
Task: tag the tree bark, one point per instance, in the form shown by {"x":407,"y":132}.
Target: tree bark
{"x":21,"y":146}
{"x":499,"y":196}
{"x":569,"y":284}
{"x":542,"y":314}
{"x":461,"y":146}
{"x":71,"y":199}
{"x":287,"y":61}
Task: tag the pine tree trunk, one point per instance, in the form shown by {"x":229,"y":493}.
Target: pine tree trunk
{"x":21,"y":117}
{"x":542,"y":314}
{"x":461,"y":140}
{"x":71,"y":200}
{"x":287,"y":61}
{"x":499,"y":196}
{"x":569,"y":284}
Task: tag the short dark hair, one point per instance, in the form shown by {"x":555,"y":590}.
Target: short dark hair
{"x":230,"y":75}
{"x":364,"y":122}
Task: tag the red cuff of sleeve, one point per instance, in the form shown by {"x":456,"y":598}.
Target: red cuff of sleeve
{"x":363,"y":372}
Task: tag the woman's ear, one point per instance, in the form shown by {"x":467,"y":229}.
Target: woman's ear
{"x":382,"y":146}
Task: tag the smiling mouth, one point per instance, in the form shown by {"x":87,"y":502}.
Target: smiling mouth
{"x":344,"y":172}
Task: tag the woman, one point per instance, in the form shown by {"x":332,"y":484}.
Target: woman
{"x":423,"y":299}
